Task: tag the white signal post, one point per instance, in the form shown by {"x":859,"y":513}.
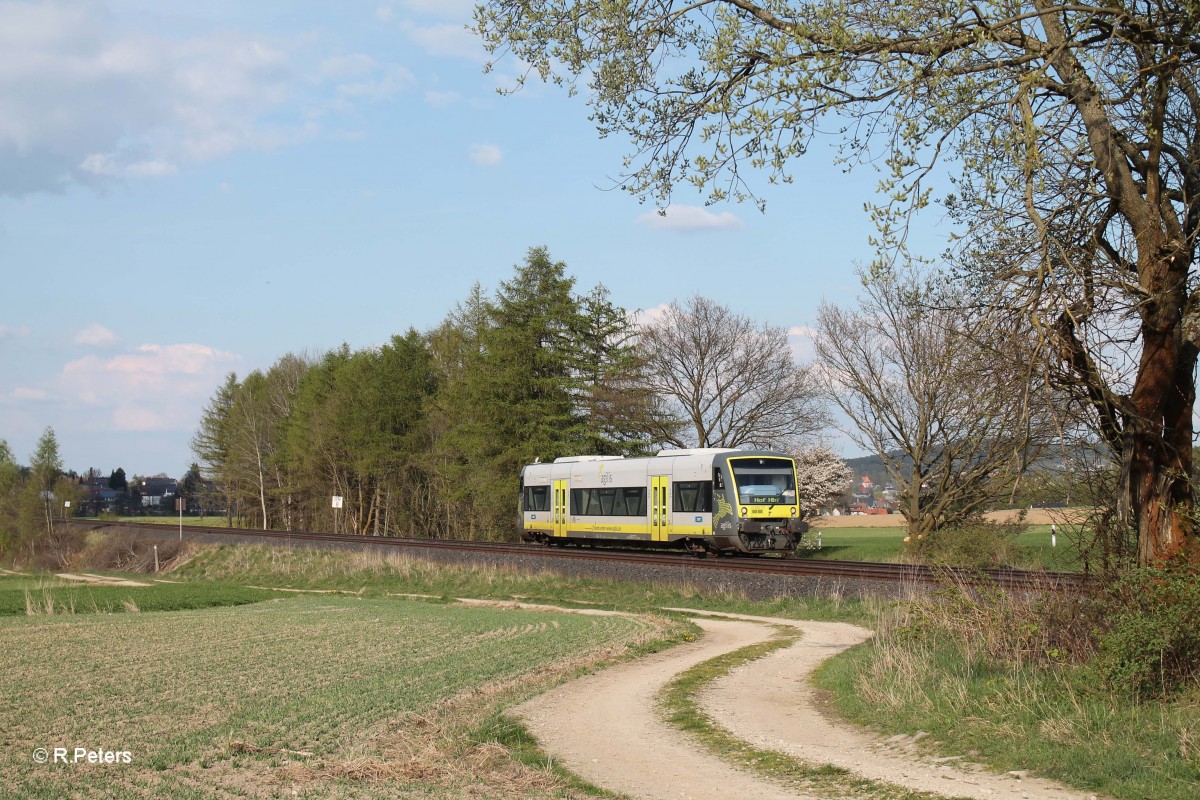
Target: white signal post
{"x":337,"y":504}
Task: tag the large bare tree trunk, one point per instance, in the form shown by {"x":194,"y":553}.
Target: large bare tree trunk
{"x":1155,"y":493}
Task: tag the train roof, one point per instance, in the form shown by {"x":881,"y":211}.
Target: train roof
{"x":577,"y":459}
{"x":687,"y":451}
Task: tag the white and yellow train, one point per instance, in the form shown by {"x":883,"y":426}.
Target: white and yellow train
{"x":705,"y":499}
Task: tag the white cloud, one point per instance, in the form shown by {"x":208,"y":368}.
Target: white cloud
{"x":689,"y":218}
{"x":487,"y":155}
{"x":83,"y":100}
{"x":647,"y":316}
{"x":800,"y":339}
{"x":155,"y":387}
{"x":96,"y":335}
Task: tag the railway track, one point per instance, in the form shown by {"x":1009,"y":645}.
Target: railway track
{"x":829,"y":571}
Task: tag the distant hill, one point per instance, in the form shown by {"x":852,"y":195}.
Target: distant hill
{"x":871,"y":466}
{"x":1050,"y":479}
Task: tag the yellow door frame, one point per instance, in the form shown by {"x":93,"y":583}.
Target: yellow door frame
{"x":559,"y":513}
{"x":659,"y":507}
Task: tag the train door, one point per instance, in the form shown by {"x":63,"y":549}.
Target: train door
{"x":559,"y":512}
{"x":659,"y":507}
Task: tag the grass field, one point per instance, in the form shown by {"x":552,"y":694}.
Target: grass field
{"x":311,"y":695}
{"x":46,"y":595}
{"x":1034,"y":546}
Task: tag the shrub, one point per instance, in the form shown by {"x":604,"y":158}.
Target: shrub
{"x":127,"y":552}
{"x":975,"y":543}
{"x":1151,"y":645}
{"x":1003,"y":628}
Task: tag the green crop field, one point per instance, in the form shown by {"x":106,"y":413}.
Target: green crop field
{"x":47,"y":595}
{"x":1033,"y":548}
{"x":303,"y":696}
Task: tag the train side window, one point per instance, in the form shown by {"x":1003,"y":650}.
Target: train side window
{"x":635,"y":501}
{"x":616,"y":502}
{"x":693,"y":496}
{"x":537,"y":498}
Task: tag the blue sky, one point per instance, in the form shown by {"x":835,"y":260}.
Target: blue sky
{"x":189,"y":189}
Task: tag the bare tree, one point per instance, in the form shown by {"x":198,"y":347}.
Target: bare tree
{"x":944,"y":397}
{"x":725,"y":381}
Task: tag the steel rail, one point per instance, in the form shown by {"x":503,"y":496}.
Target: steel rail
{"x":846,"y":570}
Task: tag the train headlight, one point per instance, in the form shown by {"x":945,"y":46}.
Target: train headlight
{"x":793,"y":511}
{"x":744,"y":511}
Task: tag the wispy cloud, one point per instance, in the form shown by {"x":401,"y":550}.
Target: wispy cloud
{"x":486,"y":155}
{"x":689,"y":218}
{"x":22,"y":393}
{"x":449,"y":40}
{"x":96,"y":335}
{"x":14,"y":332}
{"x":359,"y":76}
{"x":442,"y":99}
{"x":453,"y":9}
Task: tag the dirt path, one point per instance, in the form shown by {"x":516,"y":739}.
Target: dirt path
{"x":606,"y":728}
{"x":97,"y":580}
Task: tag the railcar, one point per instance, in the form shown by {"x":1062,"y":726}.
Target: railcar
{"x":705,"y":499}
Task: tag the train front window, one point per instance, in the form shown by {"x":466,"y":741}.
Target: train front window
{"x":769,"y":481}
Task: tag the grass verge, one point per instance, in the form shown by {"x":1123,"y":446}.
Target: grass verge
{"x":383,"y":574}
{"x":1052,"y":720}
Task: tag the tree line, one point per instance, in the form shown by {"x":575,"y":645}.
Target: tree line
{"x":426,"y":435}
